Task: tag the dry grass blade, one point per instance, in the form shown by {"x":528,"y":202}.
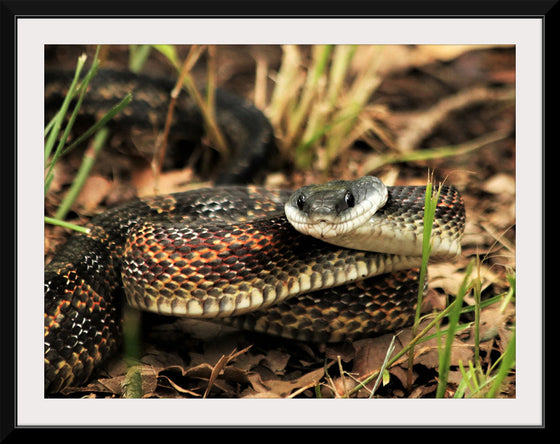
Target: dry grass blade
{"x":354,"y":101}
{"x":205,"y":106}
{"x":390,"y":351}
{"x":319,"y":106}
{"x":376,"y":162}
{"x":314,"y":85}
{"x":421,"y":124}
{"x":161,"y":142}
{"x":287,"y":80}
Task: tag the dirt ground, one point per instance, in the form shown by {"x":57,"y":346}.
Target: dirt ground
{"x":428,"y":97}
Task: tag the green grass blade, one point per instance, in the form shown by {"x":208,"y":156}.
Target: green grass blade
{"x":59,"y":117}
{"x":342,"y":57}
{"x":138,"y":54}
{"x":507,"y":364}
{"x":445,"y":354}
{"x":477,"y":295}
{"x":64,"y":224}
{"x":430,"y":204}
{"x":465,"y":382}
{"x":170,"y":53}
{"x":511,"y":292}
{"x":49,"y":127}
{"x":100,"y":123}
{"x":132,"y":324}
{"x":310,"y":90}
{"x":85,"y":168}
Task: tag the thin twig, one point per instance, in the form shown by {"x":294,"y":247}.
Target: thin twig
{"x":161,"y":143}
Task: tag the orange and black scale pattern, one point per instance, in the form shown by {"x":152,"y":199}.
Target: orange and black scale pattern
{"x":83,"y":283}
{"x":212,"y":252}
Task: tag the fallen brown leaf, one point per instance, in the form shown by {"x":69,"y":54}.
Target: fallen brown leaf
{"x":94,"y":191}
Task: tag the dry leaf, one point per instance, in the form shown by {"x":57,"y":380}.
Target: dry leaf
{"x":94,"y":191}
{"x":500,"y":183}
{"x":276,"y":361}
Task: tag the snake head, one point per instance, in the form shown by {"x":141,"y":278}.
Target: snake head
{"x":335,"y":208}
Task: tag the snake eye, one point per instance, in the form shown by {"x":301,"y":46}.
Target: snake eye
{"x":349,"y":199}
{"x":300,"y":202}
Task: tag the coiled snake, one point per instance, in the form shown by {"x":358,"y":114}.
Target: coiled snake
{"x":230,"y":252}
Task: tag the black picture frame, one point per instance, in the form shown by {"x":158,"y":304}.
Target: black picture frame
{"x":12,"y":11}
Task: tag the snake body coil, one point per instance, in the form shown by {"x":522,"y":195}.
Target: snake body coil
{"x":229,"y":252}
{"x":247,"y":131}
{"x":219,"y":252}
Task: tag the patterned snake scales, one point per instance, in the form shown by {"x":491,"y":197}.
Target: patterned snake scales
{"x":325,"y":263}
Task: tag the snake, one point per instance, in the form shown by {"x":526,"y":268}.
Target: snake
{"x":327,"y":262}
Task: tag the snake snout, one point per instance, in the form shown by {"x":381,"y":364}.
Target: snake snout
{"x":323,"y":229}
{"x":326,"y":215}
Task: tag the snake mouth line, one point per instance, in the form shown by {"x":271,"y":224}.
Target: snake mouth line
{"x":323,"y":229}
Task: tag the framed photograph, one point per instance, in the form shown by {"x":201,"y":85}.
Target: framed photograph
{"x":193,"y":220}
